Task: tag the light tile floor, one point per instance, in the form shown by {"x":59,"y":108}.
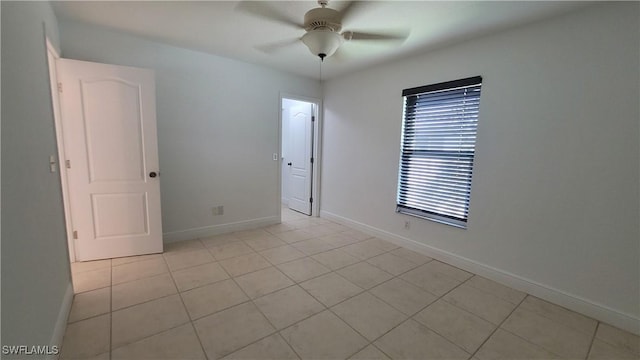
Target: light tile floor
{"x":313,"y":289}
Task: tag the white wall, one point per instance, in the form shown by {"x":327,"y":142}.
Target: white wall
{"x":36,"y":281}
{"x":217,"y":127}
{"x":555,"y":194}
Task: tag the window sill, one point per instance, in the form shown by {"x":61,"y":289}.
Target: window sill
{"x":432,"y":217}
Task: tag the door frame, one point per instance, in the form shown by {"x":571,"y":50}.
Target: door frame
{"x":52,"y":56}
{"x":315,"y":151}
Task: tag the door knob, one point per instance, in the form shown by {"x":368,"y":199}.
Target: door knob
{"x":153,"y":174}
{"x":289,"y":164}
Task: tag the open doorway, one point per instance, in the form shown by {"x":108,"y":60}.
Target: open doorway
{"x":299,"y":147}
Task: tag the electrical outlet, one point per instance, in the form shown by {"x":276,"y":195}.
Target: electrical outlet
{"x":52,"y":163}
{"x":407,"y":224}
{"x":217,"y":210}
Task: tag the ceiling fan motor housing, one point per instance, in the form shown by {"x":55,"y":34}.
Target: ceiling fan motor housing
{"x":322,"y":18}
{"x":323,"y":31}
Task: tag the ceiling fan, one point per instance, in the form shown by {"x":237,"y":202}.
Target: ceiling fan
{"x":323,"y":26}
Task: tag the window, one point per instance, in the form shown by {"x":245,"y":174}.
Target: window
{"x":438,"y":145}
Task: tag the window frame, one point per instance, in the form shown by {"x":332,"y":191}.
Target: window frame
{"x":448,"y":157}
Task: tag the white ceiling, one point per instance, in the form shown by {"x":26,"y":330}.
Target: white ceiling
{"x":218,"y":27}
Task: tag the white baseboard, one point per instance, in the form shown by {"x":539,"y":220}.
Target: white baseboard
{"x":576,"y":303}
{"x":61,"y":322}
{"x":212,"y":230}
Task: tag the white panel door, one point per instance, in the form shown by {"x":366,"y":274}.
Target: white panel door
{"x":109,"y":127}
{"x":300,"y":175}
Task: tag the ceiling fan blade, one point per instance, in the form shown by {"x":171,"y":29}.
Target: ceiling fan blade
{"x":267,"y":11}
{"x":276,"y":46}
{"x":350,"y":9}
{"x":389,"y":35}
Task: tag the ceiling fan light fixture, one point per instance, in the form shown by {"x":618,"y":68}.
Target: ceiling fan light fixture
{"x":322,"y":42}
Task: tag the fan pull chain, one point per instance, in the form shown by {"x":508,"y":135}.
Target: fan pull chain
{"x":320,"y":76}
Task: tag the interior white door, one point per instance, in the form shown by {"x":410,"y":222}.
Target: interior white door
{"x":109,"y":129}
{"x":300,"y":152}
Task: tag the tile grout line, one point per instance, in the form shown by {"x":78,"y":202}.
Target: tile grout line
{"x":151,"y":335}
{"x":461,"y":309}
{"x":323,"y":304}
{"x":411,"y":316}
{"x":269,"y":293}
{"x":218,"y":311}
{"x":160,"y":255}
{"x":173,"y":327}
{"x":529,"y":342}
{"x":74,"y":296}
{"x":295,"y":283}
{"x":371,"y":342}
{"x":143,"y":277}
{"x":245,"y":294}
{"x":562,"y":308}
{"x":328,"y":308}
{"x":401,"y":279}
{"x":277,"y":331}
{"x":111,"y":310}
{"x":179,"y":294}
{"x":186,"y":310}
{"x":254,"y":305}
{"x":325,"y":307}
{"x":150,"y":300}
{"x":538,"y":345}
{"x":170,"y":272}
{"x":193,"y":326}
{"x":288,"y":344}
{"x":593,"y":339}
{"x":499,"y":326}
{"x":306,"y":256}
{"x":191,"y":266}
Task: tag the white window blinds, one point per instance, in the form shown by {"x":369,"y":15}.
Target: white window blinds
{"x":438,"y":146}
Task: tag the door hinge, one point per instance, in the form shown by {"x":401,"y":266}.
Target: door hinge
{"x":312,"y":160}
{"x":311,"y":200}
{"x":67,"y":164}
{"x":313,"y":118}
{"x":75,"y":234}
{"x":60,"y":87}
